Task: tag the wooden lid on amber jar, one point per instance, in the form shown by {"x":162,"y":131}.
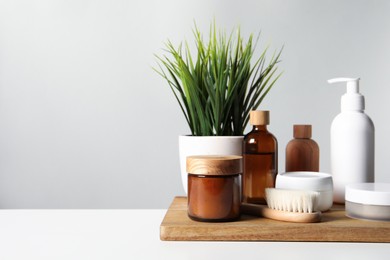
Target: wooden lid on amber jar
{"x":259,"y":117}
{"x":214,"y":164}
{"x":302,"y":131}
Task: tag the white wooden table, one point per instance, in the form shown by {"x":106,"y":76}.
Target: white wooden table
{"x":134,"y":234}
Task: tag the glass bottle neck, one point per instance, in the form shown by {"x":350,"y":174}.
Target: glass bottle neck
{"x":260,"y":127}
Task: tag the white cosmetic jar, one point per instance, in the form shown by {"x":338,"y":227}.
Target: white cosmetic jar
{"x":309,"y":181}
{"x":368,"y":201}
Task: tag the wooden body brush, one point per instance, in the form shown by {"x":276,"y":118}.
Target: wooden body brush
{"x":286,"y":205}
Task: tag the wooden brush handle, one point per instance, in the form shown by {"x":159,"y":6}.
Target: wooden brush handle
{"x":264,"y":211}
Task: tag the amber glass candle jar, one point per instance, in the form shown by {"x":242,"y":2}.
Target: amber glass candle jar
{"x":214,"y":188}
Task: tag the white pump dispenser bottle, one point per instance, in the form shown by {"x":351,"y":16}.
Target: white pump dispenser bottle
{"x":352,"y":141}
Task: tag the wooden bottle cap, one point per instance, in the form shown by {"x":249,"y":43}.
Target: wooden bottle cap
{"x":259,"y":117}
{"x":302,"y":131}
{"x":214,"y":164}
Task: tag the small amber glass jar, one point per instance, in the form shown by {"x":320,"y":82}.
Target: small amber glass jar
{"x":214,"y":188}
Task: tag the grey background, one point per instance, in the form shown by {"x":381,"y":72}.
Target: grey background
{"x":86,"y":123}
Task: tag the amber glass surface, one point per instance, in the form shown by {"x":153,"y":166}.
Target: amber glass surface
{"x":302,"y":154}
{"x":213,"y":198}
{"x":260,"y":162}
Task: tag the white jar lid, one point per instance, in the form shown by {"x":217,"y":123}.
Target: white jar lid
{"x":368,"y":193}
{"x":316,"y":181}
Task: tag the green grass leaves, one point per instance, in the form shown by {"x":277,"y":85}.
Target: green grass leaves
{"x":217,"y":87}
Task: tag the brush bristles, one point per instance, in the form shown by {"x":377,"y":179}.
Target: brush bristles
{"x":291,"y":200}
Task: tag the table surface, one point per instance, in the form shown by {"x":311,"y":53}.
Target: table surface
{"x":127,"y":234}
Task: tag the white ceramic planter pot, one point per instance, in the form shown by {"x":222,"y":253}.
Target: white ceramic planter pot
{"x":206,"y":145}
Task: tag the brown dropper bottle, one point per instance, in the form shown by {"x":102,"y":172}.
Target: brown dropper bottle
{"x":260,"y":159}
{"x":302,"y":153}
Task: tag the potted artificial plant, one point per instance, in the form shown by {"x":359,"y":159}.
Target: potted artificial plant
{"x":216,"y":88}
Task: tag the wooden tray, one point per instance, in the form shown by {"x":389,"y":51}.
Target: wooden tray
{"x":335,"y":227}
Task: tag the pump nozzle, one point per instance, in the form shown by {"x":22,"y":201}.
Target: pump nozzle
{"x":352,"y":83}
{"x":352,"y":100}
